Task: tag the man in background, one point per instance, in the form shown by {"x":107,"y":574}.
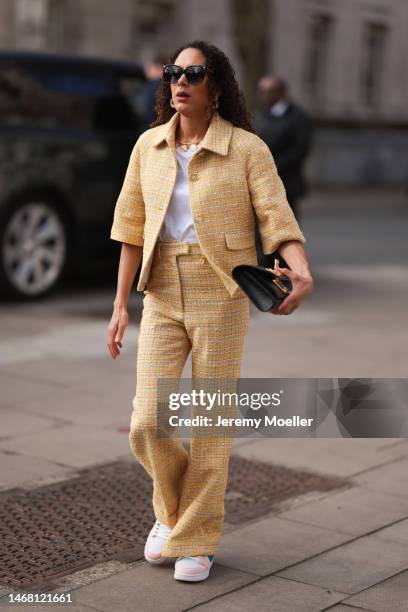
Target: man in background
{"x":287,"y":130}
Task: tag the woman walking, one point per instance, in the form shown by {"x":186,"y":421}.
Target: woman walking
{"x":196,"y":182}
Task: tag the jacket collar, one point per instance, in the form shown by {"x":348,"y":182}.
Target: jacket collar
{"x":217,"y":136}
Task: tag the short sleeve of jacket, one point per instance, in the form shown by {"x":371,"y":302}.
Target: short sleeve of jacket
{"x":276,"y":220}
{"x":129,"y":213}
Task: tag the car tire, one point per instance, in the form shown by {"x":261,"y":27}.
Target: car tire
{"x":35,"y":247}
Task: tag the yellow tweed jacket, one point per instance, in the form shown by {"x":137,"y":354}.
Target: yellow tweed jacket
{"x":232,"y":178}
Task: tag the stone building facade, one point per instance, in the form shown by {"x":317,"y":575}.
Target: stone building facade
{"x":344,"y":61}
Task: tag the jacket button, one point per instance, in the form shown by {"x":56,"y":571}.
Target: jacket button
{"x":193,"y":176}
{"x":198,"y":217}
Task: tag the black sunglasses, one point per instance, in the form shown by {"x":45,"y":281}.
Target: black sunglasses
{"x":194,"y":74}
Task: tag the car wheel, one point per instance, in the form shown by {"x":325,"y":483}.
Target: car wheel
{"x":34,"y":248}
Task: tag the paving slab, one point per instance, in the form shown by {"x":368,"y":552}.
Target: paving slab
{"x":77,"y":371}
{"x":76,"y":338}
{"x":19,"y":422}
{"x":274,"y":594}
{"x":268,"y":545}
{"x":398,"y":532}
{"x":108,"y":405}
{"x":4,"y":607}
{"x":29,"y":319}
{"x":390,"y":478}
{"x":23,"y":471}
{"x":18,"y":389}
{"x":391,"y":594}
{"x":354,"y":511}
{"x":353,"y":566}
{"x":343,"y":457}
{"x":72,"y":445}
{"x":313,"y":331}
{"x":345,"y":608}
{"x":151,"y":588}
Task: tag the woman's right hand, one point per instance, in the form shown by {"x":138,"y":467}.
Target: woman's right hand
{"x":116,"y":329}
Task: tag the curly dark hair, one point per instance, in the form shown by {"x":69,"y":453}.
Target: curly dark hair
{"x":232,"y":105}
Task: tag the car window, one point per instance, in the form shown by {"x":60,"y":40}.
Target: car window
{"x":134,"y":89}
{"x":33,"y":95}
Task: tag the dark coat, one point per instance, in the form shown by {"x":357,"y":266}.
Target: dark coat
{"x":288,"y":138}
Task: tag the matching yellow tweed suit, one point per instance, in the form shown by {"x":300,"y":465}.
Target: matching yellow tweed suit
{"x":191,"y":303}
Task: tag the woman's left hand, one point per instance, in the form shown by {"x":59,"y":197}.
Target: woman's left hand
{"x":302,"y":285}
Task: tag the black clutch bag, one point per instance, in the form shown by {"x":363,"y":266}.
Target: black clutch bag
{"x":265,"y":287}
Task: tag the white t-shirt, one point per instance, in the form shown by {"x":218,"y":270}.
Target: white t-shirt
{"x":278,"y":108}
{"x":178,"y":221}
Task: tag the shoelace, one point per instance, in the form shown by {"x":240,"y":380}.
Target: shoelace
{"x":161,"y":530}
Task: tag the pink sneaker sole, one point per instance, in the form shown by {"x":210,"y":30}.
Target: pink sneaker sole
{"x":154,"y":560}
{"x":192,"y":576}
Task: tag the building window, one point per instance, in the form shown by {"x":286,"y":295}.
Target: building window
{"x":151,"y":15}
{"x":374,"y":44}
{"x":31,"y":23}
{"x":320,"y":30}
{"x":56,"y":24}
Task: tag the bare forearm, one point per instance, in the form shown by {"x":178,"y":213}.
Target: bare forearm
{"x":294,"y":254}
{"x":130,"y":258}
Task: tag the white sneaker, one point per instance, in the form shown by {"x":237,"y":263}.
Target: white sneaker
{"x":193,"y":568}
{"x":155,"y":542}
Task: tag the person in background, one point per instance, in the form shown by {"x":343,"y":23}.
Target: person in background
{"x":287,"y":130}
{"x":153,"y":72}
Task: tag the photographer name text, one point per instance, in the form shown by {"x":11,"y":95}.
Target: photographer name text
{"x":254,"y":422}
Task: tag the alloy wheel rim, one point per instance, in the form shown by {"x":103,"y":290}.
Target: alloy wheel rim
{"x":34,"y":248}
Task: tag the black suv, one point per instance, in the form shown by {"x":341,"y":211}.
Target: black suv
{"x":67,"y":127}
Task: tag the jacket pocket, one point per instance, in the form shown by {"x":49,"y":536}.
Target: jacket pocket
{"x":239,"y":240}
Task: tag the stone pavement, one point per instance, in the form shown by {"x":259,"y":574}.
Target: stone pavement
{"x":66,"y":405}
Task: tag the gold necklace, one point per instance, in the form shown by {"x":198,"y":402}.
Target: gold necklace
{"x":186,"y":145}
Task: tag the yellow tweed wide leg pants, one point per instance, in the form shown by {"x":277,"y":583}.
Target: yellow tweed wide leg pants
{"x":185,"y":308}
